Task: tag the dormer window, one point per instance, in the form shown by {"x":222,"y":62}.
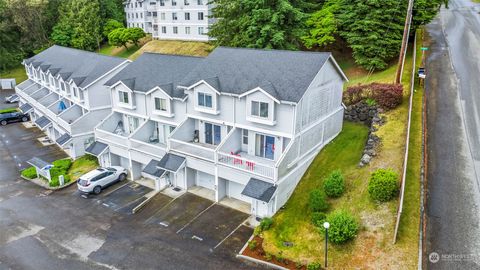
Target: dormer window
{"x":75,"y":91}
{"x":123,"y":97}
{"x":205,"y":100}
{"x":259,"y":109}
{"x":160,"y":104}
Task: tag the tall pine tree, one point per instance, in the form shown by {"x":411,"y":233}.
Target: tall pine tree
{"x":373,"y":29}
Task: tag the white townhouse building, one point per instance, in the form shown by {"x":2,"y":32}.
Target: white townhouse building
{"x":240,"y":124}
{"x":65,"y":94}
{"x":170,"y":19}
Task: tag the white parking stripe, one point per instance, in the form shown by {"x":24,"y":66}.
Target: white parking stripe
{"x":190,"y":222}
{"x":223,"y":240}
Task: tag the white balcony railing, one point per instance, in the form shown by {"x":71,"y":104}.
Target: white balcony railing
{"x":157,"y":150}
{"x":110,"y":137}
{"x":193,"y":149}
{"x":247,"y":165}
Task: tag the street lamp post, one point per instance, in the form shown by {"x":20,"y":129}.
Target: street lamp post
{"x":326,"y":225}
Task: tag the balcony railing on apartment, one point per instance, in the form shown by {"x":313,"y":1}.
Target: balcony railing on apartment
{"x":248,"y":165}
{"x":203,"y":151}
{"x":111,"y":137}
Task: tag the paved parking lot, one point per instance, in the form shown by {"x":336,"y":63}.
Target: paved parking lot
{"x":64,"y":230}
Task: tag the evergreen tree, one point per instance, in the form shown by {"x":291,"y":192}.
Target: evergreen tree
{"x":258,"y":24}
{"x":373,"y":29}
{"x":424,"y":11}
{"x":80,"y":21}
{"x":322,"y":25}
{"x":10,"y":53}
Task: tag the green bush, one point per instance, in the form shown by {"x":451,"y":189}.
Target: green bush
{"x":383,"y":185}
{"x":252,"y":244}
{"x":334,"y":185}
{"x":318,"y":218}
{"x":343,"y":227}
{"x":29,"y":173}
{"x":317,"y":201}
{"x":314,"y":266}
{"x":60,"y":167}
{"x":266,"y":223}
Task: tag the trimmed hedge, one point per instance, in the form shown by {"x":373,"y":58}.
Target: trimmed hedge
{"x":334,"y":185}
{"x":387,"y":96}
{"x":343,"y":227}
{"x":317,"y":201}
{"x":383,"y":185}
{"x":29,"y":173}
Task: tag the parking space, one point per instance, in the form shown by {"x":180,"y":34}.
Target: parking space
{"x":214,"y":225}
{"x":180,"y":212}
{"x":125,"y":198}
{"x":234,"y":242}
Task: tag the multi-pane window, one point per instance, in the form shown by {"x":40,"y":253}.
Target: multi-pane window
{"x":175,"y":29}
{"x":186,"y":2}
{"x":200,"y":30}
{"x":123,"y":97}
{"x":187,"y":30}
{"x":199,"y":2}
{"x":174,"y":16}
{"x":200,"y":16}
{"x":162,"y":3}
{"x":187,"y":16}
{"x":205,"y":100}
{"x":162,"y":16}
{"x":164,"y":29}
{"x":160,"y":104}
{"x":174,"y":2}
{"x":245,"y":136}
{"x":259,"y":109}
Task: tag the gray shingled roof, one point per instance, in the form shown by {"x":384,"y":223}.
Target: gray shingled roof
{"x":171,"y":162}
{"x":65,"y":138}
{"x":259,"y":190}
{"x":81,"y":66}
{"x":39,"y":163}
{"x":285,"y":75}
{"x":42,"y":122}
{"x":26,"y":108}
{"x":96,"y":148}
{"x":152,"y":169}
{"x":152,"y":69}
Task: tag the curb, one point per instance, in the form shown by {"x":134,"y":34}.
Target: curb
{"x":257,"y":261}
{"x":46,"y":186}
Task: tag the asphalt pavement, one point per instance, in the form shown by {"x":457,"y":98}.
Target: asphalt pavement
{"x":453,"y":113}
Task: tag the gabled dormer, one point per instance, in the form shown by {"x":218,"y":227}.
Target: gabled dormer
{"x":123,"y":95}
{"x":260,"y":105}
{"x":161,"y":101}
{"x":206,"y":96}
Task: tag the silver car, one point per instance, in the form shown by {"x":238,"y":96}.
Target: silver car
{"x":98,"y":179}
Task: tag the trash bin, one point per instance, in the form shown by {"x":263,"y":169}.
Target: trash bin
{"x":61,"y":180}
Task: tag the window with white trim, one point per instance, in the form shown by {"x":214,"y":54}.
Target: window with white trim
{"x":75,"y":91}
{"x":259,"y":109}
{"x":160,"y":104}
{"x":187,"y":30}
{"x":245,"y":136}
{"x":200,"y":16}
{"x":205,"y":100}
{"x":123,"y":97}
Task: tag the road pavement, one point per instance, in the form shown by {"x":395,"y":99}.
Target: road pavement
{"x":453,"y":123}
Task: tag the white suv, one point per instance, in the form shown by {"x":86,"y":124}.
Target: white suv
{"x":98,"y":179}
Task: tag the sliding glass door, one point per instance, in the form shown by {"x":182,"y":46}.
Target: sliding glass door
{"x":265,"y":146}
{"x":212,"y":134}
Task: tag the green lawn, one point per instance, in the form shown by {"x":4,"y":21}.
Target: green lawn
{"x":17,"y":73}
{"x":82,"y":166}
{"x":179,"y":47}
{"x":119,"y":51}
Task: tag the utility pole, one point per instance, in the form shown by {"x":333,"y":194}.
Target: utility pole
{"x":403,"y":50}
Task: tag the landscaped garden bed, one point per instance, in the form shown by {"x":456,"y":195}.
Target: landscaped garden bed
{"x":71,"y":171}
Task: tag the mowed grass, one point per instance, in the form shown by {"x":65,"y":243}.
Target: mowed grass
{"x":192,"y":48}
{"x":373,"y":247}
{"x":18,"y":73}
{"x":123,"y":52}
{"x":81,"y":166}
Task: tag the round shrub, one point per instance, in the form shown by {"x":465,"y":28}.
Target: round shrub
{"x":29,"y":173}
{"x":318,"y":218}
{"x":317,"y":201}
{"x":343,"y":227}
{"x":266,"y":223}
{"x":383,"y":185}
{"x":314,"y":266}
{"x":334,"y":185}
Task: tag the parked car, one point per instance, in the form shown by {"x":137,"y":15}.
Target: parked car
{"x":98,"y":179}
{"x":12,"y":117}
{"x":12,"y":99}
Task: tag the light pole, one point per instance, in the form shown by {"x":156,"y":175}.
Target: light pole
{"x":326,"y":225}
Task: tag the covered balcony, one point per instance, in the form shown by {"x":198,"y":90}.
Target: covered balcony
{"x":25,"y":84}
{"x":151,"y":138}
{"x":69,"y":116}
{"x":113,"y":130}
{"x":32,"y":89}
{"x":40,"y":93}
{"x":49,"y":100}
{"x":186,"y":139}
{"x":235,"y":153}
{"x":59,"y":106}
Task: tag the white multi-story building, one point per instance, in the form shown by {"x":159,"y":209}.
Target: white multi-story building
{"x":240,"y":124}
{"x":65,"y":94}
{"x":170,"y":19}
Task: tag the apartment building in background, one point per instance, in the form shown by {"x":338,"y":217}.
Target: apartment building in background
{"x":65,"y":94}
{"x":170,"y":19}
{"x":240,"y":124}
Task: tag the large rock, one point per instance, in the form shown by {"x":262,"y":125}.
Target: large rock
{"x":366,"y":159}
